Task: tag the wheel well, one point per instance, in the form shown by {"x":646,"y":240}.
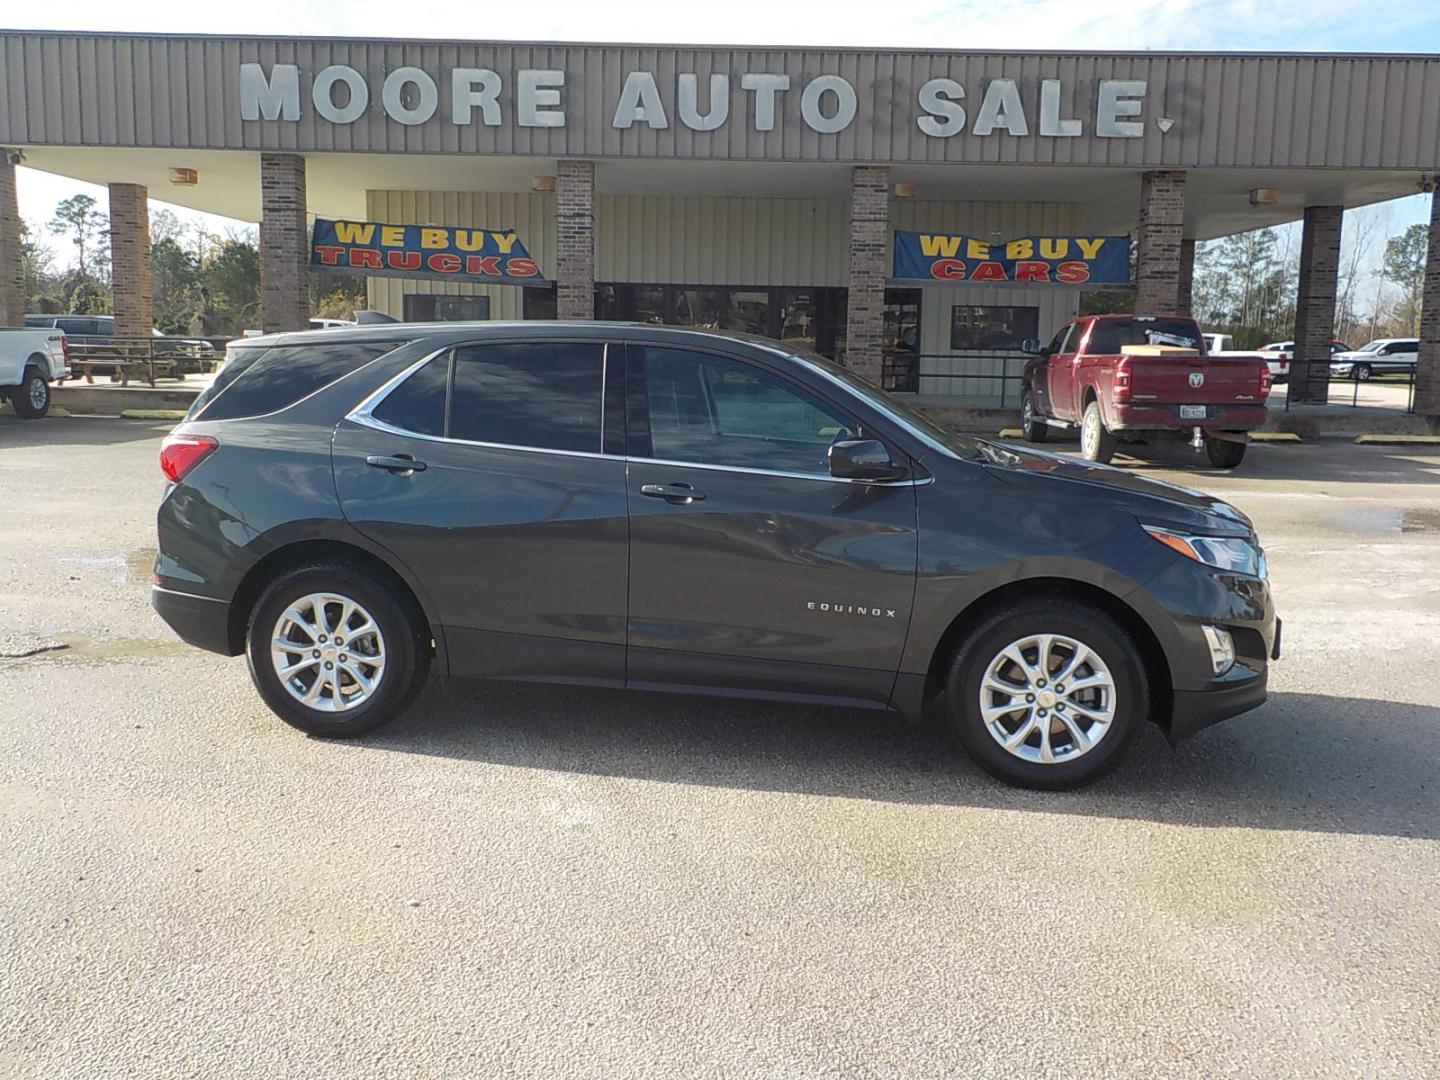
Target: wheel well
{"x":1157,"y":669}
{"x":277,"y":562}
{"x":1088,"y":396}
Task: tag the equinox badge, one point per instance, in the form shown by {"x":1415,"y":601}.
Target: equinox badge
{"x":851,"y":609}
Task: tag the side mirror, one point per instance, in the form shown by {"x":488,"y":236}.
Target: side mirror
{"x":1030,"y":346}
{"x":863,"y":459}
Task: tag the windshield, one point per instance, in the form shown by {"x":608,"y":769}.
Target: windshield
{"x":917,"y":423}
{"x":1374,"y":346}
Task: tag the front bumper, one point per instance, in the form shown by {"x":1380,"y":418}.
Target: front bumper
{"x":198,"y":620}
{"x":1243,"y":689}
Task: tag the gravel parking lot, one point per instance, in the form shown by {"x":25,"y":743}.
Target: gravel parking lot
{"x":544,"y":881}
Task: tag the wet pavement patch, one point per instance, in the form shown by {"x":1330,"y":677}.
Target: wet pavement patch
{"x":24,"y":646}
{"x":81,"y":649}
{"x":1386,"y":520}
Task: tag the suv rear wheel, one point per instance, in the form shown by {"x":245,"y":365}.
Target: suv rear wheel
{"x":1047,"y":694}
{"x":335,"y":652}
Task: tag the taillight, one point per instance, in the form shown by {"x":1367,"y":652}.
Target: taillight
{"x":1121,"y":384}
{"x":1265,"y":379}
{"x":65,"y":349}
{"x":181,"y":453}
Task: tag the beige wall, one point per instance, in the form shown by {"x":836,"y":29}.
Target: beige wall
{"x":740,"y":241}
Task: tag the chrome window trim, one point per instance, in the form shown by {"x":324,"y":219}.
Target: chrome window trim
{"x":363,"y":414}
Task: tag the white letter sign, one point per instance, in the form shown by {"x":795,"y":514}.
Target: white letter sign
{"x":276,"y":98}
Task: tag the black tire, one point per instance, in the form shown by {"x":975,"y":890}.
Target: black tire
{"x":31,"y":399}
{"x":1032,"y":425}
{"x":1070,"y":619}
{"x":1222,"y":453}
{"x":405,"y":641}
{"x":1362,"y":372}
{"x":1097,"y":443}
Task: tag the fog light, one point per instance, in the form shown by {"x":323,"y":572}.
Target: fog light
{"x":1222,"y":649}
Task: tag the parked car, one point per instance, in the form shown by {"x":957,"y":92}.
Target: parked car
{"x":677,"y":509}
{"x":190,"y":355}
{"x":1218,"y":343}
{"x":1279,"y":354}
{"x":1222,"y":345}
{"x":1132,"y":376}
{"x":30,"y":360}
{"x":329,"y":324}
{"x":1385,"y":356}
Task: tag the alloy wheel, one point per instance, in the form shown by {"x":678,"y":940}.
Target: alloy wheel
{"x":1047,"y":698}
{"x":39,"y":392}
{"x":328,"y":652}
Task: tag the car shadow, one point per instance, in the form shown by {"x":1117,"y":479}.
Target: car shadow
{"x":1300,"y":762}
{"x":78,"y":431}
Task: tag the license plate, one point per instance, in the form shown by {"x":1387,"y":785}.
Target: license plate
{"x":1192,"y":412}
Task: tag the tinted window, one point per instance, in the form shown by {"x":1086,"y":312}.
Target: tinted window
{"x":418,"y":404}
{"x":40,"y":320}
{"x":546,"y":395}
{"x":717,"y":411}
{"x":1108,"y":336}
{"x":260,"y":381}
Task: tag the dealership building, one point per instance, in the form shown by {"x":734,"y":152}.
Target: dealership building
{"x":913,"y":213}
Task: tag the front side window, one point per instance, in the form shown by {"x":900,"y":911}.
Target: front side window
{"x":714,"y":410}
{"x":543,"y":395}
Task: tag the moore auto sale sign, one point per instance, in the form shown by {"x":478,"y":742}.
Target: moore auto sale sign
{"x":828,"y":102}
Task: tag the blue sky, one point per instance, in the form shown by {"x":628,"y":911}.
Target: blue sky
{"x":1249,"y":25}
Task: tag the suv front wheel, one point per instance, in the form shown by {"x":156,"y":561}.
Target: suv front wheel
{"x":1047,"y":694}
{"x":335,"y":652}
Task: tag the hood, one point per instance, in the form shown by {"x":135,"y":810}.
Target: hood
{"x":1154,"y":501}
{"x":1353,"y":354}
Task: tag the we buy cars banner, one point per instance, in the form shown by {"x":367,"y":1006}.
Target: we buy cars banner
{"x":1036,"y":260}
{"x":423,"y":251}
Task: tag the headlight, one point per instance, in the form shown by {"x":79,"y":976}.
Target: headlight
{"x":1223,"y":552}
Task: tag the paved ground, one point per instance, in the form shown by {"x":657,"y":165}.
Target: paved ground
{"x":550,"y":882}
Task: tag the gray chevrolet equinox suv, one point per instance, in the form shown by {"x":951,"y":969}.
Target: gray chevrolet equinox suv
{"x":673,"y":509}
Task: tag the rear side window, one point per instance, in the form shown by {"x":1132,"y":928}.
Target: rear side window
{"x":546,"y":395}
{"x":418,"y":403}
{"x":259,"y":381}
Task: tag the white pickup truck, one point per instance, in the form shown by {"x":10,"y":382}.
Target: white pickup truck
{"x":30,"y":360}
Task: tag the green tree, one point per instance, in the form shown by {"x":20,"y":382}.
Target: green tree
{"x":1403,"y":265}
{"x":176,"y":280}
{"x":78,"y":219}
{"x":231,"y":282}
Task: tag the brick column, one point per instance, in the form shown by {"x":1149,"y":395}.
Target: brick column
{"x":1162,"y":218}
{"x":1315,"y":304}
{"x":1186,"y":285}
{"x":575,"y":240}
{"x":284,"y":243}
{"x":865,"y":305}
{"x":1427,"y":374}
{"x":12,"y":274}
{"x":130,"y":280}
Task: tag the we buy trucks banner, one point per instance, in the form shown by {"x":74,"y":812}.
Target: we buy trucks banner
{"x":423,"y":251}
{"x":1038,"y":260}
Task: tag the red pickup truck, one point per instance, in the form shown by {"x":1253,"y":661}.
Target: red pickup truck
{"x":1118,"y":376}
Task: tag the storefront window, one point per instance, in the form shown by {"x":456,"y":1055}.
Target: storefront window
{"x":992,"y":326}
{"x":747,"y":310}
{"x":900,"y":343}
{"x":423,"y":307}
{"x":538,"y":302}
{"x":695,"y":307}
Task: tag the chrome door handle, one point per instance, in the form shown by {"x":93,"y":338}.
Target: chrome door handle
{"x":400,"y":464}
{"x":677,"y":494}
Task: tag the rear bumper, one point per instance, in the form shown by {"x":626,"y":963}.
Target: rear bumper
{"x":1153,"y":415}
{"x":198,"y":620}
